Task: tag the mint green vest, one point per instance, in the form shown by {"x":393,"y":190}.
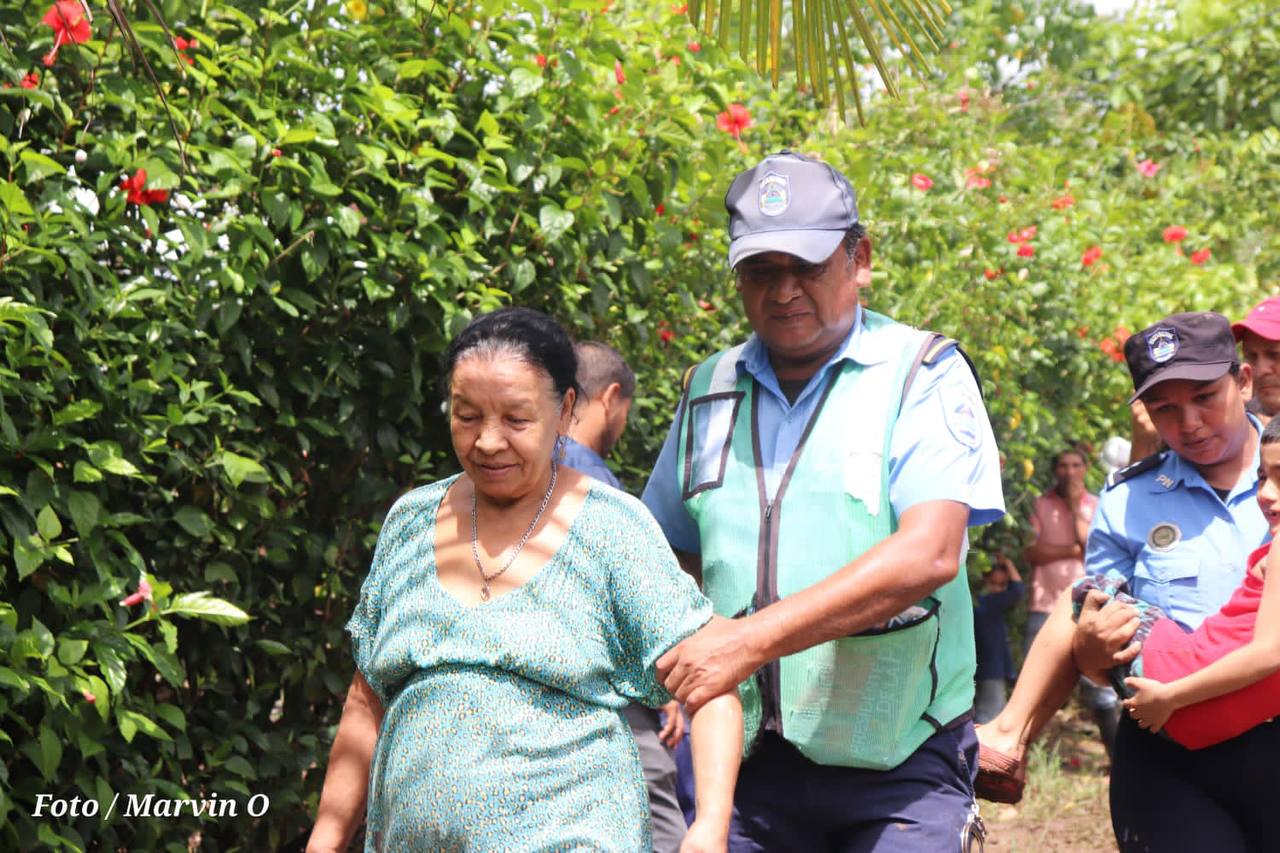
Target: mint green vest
{"x":863,"y":701}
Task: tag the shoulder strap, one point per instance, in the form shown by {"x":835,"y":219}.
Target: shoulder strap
{"x":687,"y":378}
{"x":1128,"y":472}
{"x":935,"y":345}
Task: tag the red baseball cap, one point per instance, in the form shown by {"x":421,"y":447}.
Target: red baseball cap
{"x":1263,"y":321}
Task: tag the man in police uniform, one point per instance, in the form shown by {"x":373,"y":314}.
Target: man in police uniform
{"x":1179,"y":525}
{"x":819,"y":479}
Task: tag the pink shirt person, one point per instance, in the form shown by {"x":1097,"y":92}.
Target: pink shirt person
{"x":1054,"y":524}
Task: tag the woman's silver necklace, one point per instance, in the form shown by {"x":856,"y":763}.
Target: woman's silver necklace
{"x":475,"y":548}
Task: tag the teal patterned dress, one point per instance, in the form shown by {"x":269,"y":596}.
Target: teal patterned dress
{"x":502,"y":729}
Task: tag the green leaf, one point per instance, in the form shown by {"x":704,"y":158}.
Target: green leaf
{"x":71,"y":651}
{"x":85,"y":511}
{"x":128,"y":728}
{"x":239,"y":766}
{"x":171,"y":715}
{"x":202,"y":605}
{"x":241,"y":468}
{"x":83,"y":472}
{"x":554,"y":222}
{"x":48,"y":524}
{"x":142,"y":724}
{"x":45,"y":752}
{"x":194,"y":521}
{"x":9,"y":678}
{"x":39,"y":166}
{"x":101,"y":695}
{"x":14,"y":200}
{"x":78,"y":411}
{"x":169,"y":632}
{"x":26,"y":558}
{"x":111,"y":666}
{"x":106,"y":455}
{"x":273,"y":648}
{"x":348,"y":220}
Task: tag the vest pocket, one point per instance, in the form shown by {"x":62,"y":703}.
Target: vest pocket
{"x":708,"y":435}
{"x":861,"y":701}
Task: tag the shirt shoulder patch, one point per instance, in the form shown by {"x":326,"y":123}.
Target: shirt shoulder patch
{"x":1142,"y":466}
{"x":960,"y":411}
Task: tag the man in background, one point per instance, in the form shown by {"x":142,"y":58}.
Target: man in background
{"x":1060,"y":520}
{"x":608,"y":386}
{"x":1259,"y":337}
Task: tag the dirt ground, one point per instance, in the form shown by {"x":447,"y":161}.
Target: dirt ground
{"x":1064,"y":808}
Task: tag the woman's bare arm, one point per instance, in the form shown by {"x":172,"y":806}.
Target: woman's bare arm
{"x":717,"y":750}
{"x":346,"y":782}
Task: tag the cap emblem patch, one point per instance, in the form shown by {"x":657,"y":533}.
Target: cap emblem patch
{"x":775,"y":194}
{"x":1162,"y":344}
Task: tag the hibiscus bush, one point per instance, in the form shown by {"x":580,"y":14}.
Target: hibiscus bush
{"x":234,"y":244}
{"x":222,"y":314}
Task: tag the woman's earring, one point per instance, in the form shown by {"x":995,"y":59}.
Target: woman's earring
{"x":562,"y":442}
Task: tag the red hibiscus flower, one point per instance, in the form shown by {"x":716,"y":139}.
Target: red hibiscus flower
{"x":617,"y":72}
{"x":1149,"y":167}
{"x":680,"y":9}
{"x":1199,"y":256}
{"x":30,"y":81}
{"x":70,"y":26}
{"x":183,"y":45}
{"x":88,"y":697}
{"x":706,"y":306}
{"x":1082,"y":332}
{"x":1090,"y":256}
{"x":276,"y":152}
{"x":1175,"y":234}
{"x":1026,"y":250}
{"x":137,"y":192}
{"x":991,"y":275}
{"x":666,"y":335}
{"x":660,"y":209}
{"x":734,"y":120}
{"x":921,"y":181}
{"x":963,"y":97}
{"x":541,"y":59}
{"x":143,"y":594}
{"x":1004,"y":199}
{"x":694,"y":47}
{"x":1111,"y":348}
{"x":1062,"y":202}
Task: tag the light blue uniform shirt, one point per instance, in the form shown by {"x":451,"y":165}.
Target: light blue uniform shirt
{"x":1195,"y":574}
{"x":584,"y":459}
{"x":932,"y":452}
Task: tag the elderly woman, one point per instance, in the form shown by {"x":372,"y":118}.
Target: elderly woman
{"x":510,"y":612}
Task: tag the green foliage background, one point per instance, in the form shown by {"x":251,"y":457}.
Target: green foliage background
{"x":225,"y":392}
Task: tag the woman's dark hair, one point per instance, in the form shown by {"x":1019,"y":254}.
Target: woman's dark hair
{"x":521,"y":333}
{"x":1271,"y":432}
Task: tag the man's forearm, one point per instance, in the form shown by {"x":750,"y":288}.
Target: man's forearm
{"x":891,"y":576}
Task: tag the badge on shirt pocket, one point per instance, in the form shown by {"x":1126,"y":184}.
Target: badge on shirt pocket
{"x":1164,"y":537}
{"x":708,"y":438}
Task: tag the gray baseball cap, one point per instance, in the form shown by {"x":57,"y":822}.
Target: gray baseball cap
{"x":789,"y":203}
